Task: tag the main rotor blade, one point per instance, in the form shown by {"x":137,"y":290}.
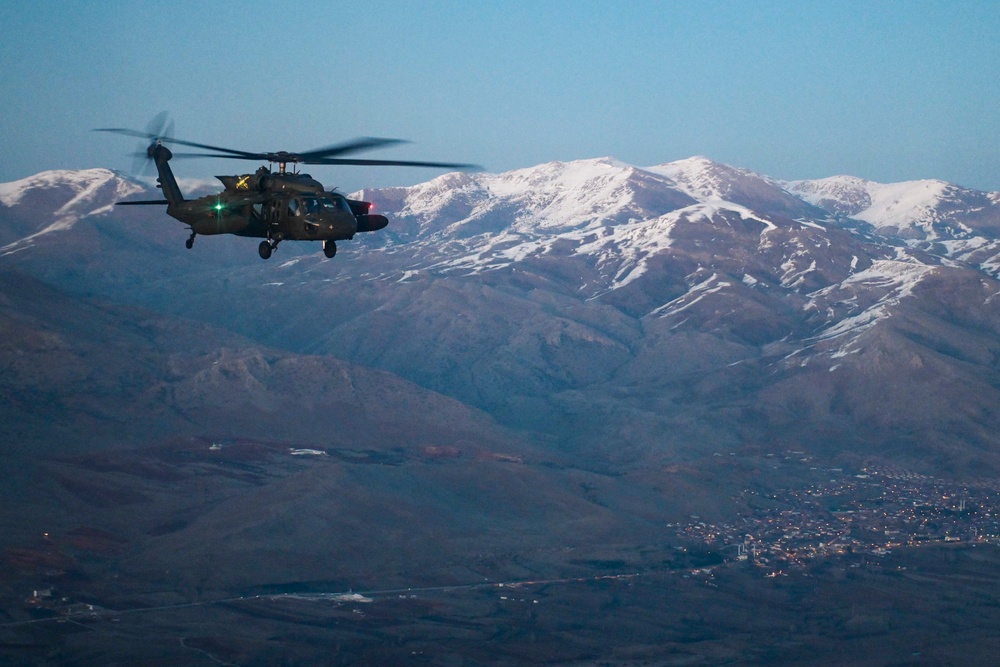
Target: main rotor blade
{"x":323,"y":155}
{"x":225,"y":156}
{"x":232,"y":151}
{"x":126,"y":132}
{"x":171,"y":140}
{"x":291,"y":157}
{"x":395,"y":163}
{"x":352,"y":146}
{"x":344,"y":148}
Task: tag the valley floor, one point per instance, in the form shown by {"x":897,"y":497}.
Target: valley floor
{"x":919,"y":606}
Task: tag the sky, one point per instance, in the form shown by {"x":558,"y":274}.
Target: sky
{"x":888,"y":91}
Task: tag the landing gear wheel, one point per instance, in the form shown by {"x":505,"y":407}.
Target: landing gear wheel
{"x":329,"y":249}
{"x":190,"y":242}
{"x":264,"y":249}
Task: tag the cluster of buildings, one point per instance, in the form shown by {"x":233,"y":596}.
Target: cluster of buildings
{"x":871,"y":511}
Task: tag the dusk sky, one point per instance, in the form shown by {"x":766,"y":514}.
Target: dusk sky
{"x":887,"y":91}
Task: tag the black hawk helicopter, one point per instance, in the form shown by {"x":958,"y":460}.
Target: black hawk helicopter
{"x":274,"y":206}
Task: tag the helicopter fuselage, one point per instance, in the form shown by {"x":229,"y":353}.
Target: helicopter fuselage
{"x":267,"y":205}
{"x":301,"y":216}
{"x":275,"y":207}
{"x":288,"y":210}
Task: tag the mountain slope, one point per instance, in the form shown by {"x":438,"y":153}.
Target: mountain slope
{"x":637,"y":314}
{"x":112,"y":375}
{"x":184,"y":459}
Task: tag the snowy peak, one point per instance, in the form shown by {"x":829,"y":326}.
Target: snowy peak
{"x":619,"y":215}
{"x":614,"y":221}
{"x":918,"y":210}
{"x":688,"y":243}
{"x":79,"y":187}
{"x":619,"y":218}
{"x":706,"y":180}
{"x":69,"y":195}
{"x":559,"y":197}
{"x":571,"y":195}
{"x":703,"y":179}
{"x":579,"y":174}
{"x":550,"y":198}
{"x":840,"y":195}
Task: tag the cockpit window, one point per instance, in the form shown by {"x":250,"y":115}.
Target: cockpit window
{"x":312,"y":204}
{"x":340,"y":202}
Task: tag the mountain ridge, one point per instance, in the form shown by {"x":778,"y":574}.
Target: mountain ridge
{"x":579,"y":382}
{"x":604,"y":303}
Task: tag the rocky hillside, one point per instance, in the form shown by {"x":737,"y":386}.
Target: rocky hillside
{"x":637,"y":314}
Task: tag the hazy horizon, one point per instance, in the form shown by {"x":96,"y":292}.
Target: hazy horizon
{"x":889,"y":92}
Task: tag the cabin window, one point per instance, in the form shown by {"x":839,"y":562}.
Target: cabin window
{"x":293,"y":207}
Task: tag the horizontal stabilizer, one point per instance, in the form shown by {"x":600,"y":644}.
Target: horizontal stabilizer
{"x":144,"y":202}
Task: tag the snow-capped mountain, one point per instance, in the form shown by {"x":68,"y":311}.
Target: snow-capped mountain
{"x":68,"y":195}
{"x":617,"y":221}
{"x":921,"y":210}
{"x":629,"y":309}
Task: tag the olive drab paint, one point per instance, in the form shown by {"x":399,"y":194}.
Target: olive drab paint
{"x":273,"y":206}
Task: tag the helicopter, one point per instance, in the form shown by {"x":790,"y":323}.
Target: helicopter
{"x":273,"y":206}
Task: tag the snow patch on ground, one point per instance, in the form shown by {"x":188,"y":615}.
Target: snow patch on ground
{"x":896,"y":278}
{"x":695,"y":294}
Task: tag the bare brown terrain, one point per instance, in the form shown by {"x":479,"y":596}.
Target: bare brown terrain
{"x":760,"y":450}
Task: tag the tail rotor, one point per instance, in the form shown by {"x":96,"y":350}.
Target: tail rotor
{"x":157,"y":129}
{"x":160,"y":128}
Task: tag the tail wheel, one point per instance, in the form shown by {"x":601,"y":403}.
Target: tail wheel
{"x":329,"y":249}
{"x":265,"y":250}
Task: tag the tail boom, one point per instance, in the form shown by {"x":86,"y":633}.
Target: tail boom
{"x":171,"y":191}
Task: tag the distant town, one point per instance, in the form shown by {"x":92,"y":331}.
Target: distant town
{"x":869,"y":511}
{"x":826,"y":513}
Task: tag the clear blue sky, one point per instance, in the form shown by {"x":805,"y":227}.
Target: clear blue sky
{"x":884,"y":90}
